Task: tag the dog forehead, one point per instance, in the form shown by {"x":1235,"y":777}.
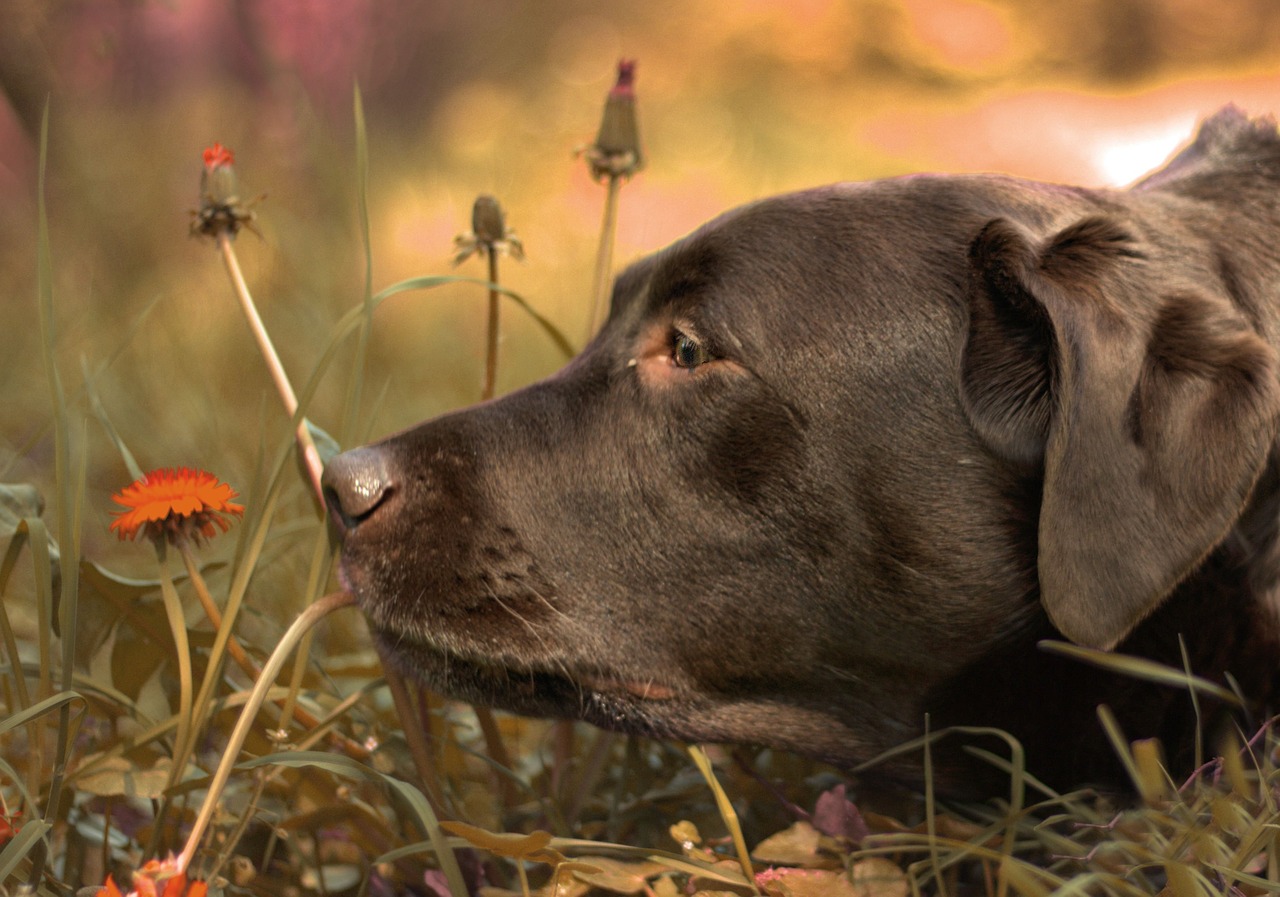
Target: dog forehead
{"x":845,"y":248}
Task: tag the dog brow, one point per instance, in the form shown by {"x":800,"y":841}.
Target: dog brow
{"x":684,"y":273}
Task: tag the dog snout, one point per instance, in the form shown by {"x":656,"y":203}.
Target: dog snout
{"x":356,"y":484}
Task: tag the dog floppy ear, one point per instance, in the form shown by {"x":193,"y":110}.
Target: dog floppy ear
{"x":1151,"y":410}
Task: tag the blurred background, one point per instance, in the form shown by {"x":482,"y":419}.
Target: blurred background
{"x":737,"y":100}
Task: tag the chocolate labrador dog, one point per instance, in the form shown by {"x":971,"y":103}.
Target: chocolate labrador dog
{"x":845,"y":459}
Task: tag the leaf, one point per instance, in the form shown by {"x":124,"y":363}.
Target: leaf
{"x":119,"y":777}
{"x":814,"y":883}
{"x":796,"y":846}
{"x":618,"y":877}
{"x":532,"y":847}
{"x":878,"y":877}
{"x":837,"y":816}
{"x":326,"y":445}
{"x":20,"y":502}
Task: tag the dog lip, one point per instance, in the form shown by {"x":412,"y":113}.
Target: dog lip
{"x":469,"y":663}
{"x":646,"y":691}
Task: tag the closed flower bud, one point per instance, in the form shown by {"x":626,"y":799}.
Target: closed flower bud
{"x":487,"y":220}
{"x":616,"y":152}
{"x":221,"y":208}
{"x":489,"y":233}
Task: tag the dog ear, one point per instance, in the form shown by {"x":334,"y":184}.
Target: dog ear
{"x":1151,"y":410}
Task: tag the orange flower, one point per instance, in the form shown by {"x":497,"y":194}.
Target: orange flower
{"x":158,"y":878}
{"x":175,"y":504}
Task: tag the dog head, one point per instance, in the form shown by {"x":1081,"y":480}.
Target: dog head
{"x":835,"y":448}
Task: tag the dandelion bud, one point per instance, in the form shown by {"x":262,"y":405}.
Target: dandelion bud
{"x":218,"y":179}
{"x":616,"y":152}
{"x":487,"y":222}
{"x":489,"y":233}
{"x":221,"y":209}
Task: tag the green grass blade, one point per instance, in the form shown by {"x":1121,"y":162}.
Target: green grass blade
{"x":100,"y":412}
{"x":1141,"y":668}
{"x":39,"y":709}
{"x":355,"y":385}
{"x":183,"y":743}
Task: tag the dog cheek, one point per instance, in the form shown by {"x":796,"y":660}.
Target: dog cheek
{"x":753,"y":453}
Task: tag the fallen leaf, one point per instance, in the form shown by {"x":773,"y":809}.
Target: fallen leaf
{"x":620,"y":877}
{"x":795,"y":846}
{"x":878,"y":877}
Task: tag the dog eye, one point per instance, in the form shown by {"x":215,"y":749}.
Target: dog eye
{"x":687,"y":352}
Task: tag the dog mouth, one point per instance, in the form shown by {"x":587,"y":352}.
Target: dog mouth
{"x":536,"y":689}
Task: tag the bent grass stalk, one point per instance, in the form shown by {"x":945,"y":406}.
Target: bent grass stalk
{"x":307,"y":445}
{"x":307,"y":619}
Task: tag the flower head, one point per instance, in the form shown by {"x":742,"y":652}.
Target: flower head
{"x":221,"y":209}
{"x":181,"y":504}
{"x":489,"y":233}
{"x":616,"y":152}
{"x":158,"y":878}
{"x":218,"y":156}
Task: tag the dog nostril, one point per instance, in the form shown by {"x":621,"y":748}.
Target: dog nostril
{"x":355,"y":484}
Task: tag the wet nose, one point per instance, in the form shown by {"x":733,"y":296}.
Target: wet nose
{"x":356,"y":484}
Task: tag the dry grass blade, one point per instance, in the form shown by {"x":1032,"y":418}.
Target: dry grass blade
{"x":727,"y":813}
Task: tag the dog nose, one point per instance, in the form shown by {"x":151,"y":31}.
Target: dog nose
{"x":355,"y":484}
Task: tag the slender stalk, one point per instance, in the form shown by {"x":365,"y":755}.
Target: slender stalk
{"x":310,"y":455}
{"x":491,"y":351}
{"x":211,"y":610}
{"x":496,"y":748}
{"x":604,"y":257}
{"x":727,"y":813}
{"x":415,"y":736}
{"x":589,"y":777}
{"x":308,"y":618}
{"x":178,"y":627}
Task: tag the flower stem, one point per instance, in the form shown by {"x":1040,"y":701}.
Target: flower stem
{"x":604,"y":257}
{"x":249,"y":713}
{"x":310,"y":455}
{"x":211,"y":610}
{"x":491,"y":353}
{"x":178,"y":628}
{"x":415,"y":736}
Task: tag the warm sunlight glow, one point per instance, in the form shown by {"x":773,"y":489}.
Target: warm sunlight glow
{"x":1124,"y":158}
